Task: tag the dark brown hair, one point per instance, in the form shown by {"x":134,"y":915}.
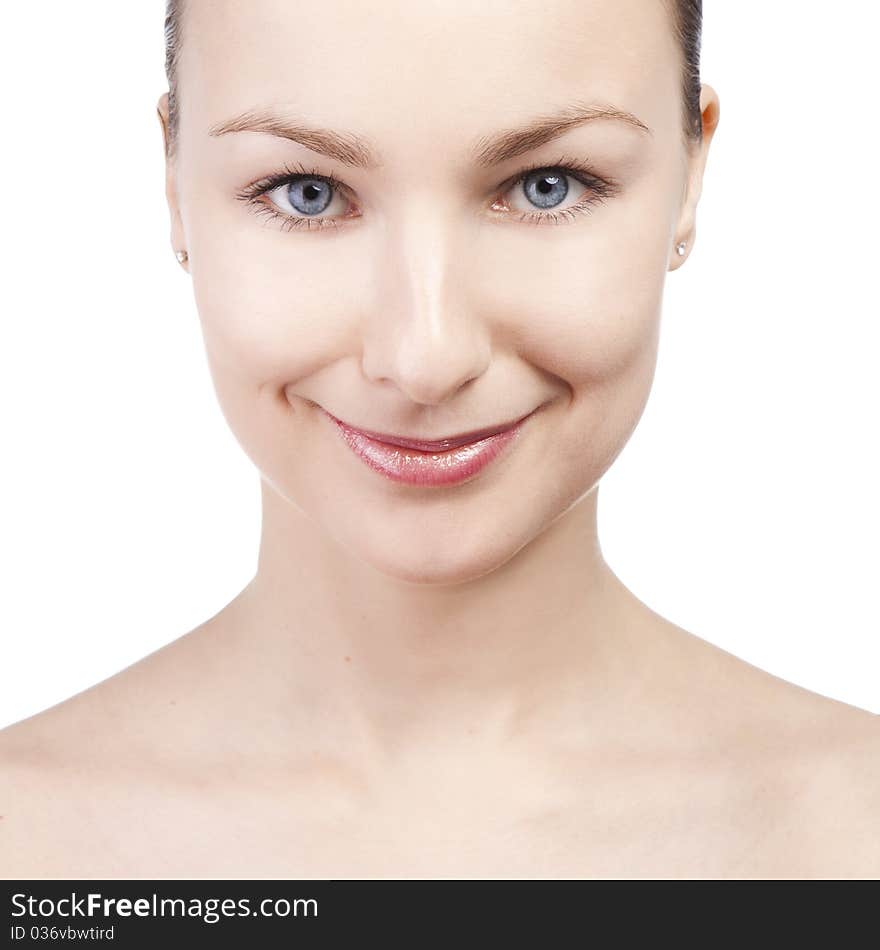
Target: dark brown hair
{"x":174,"y":15}
{"x":687,"y":24}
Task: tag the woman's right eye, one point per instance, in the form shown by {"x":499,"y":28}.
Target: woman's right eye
{"x":307,"y":196}
{"x":297,"y":198}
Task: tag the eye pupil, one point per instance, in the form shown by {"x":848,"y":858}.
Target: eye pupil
{"x":310,"y":196}
{"x":546,"y":189}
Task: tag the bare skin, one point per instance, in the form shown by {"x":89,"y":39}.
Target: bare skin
{"x":436,"y":682}
{"x":704,"y":766}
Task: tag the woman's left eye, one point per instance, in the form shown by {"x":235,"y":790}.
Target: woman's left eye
{"x":301,"y":198}
{"x":542,"y":190}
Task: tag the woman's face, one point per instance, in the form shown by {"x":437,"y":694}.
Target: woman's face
{"x":425,"y":296}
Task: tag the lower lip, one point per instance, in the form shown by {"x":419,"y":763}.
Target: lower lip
{"x":414,"y":467}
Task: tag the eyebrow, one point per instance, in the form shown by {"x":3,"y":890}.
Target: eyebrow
{"x":356,"y":151}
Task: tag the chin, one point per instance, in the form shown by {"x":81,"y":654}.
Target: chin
{"x":438,"y":562}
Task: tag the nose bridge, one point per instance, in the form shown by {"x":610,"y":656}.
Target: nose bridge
{"x":423,"y":332}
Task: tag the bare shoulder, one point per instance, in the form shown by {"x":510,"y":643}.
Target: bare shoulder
{"x":72,"y":772}
{"x":835,"y":804}
{"x":36,"y":775}
{"x":810,"y":769}
{"x":818,"y":760}
{"x":802,"y":768}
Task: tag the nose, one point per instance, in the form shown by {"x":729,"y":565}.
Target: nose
{"x":423,"y":333}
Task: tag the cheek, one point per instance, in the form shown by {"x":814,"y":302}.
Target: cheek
{"x":588,"y":309}
{"x":264,"y":313}
{"x":588,"y":295}
{"x":265,"y":298}
{"x":262,"y":307}
{"x":272,"y":310}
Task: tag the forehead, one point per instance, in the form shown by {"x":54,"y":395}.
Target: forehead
{"x":445,"y":67}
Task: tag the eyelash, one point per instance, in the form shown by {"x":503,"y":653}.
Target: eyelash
{"x":601,"y":188}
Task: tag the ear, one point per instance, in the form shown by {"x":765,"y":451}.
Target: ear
{"x":178,"y":236}
{"x":686,"y":227}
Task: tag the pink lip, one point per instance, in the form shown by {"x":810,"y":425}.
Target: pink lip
{"x":419,"y":462}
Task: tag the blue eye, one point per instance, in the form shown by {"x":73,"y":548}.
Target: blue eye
{"x":309,"y":195}
{"x":545,"y":190}
{"x":298,"y":197}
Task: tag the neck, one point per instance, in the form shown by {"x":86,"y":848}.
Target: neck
{"x":324,"y":637}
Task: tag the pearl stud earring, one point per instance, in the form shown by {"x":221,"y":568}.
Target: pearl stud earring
{"x":182,"y":256}
{"x":680,"y":248}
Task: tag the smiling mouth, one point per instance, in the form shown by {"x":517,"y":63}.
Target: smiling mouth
{"x":433,"y":445}
{"x":431,"y":462}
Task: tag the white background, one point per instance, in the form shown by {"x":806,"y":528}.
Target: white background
{"x":745,"y":507}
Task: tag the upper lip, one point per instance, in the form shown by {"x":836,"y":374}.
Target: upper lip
{"x":435,"y":445}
